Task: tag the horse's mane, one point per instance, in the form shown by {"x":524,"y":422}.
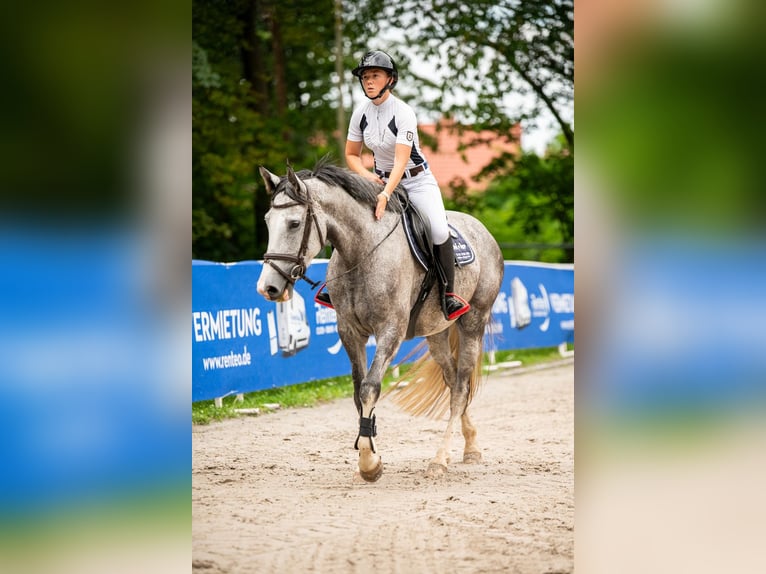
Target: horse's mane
{"x":361,"y":189}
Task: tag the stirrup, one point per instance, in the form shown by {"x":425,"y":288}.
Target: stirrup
{"x":455,"y":306}
{"x":323,"y":297}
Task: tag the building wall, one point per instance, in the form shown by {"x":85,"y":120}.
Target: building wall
{"x":452,"y":159}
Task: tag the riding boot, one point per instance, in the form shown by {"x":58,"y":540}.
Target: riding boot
{"x":323,"y":298}
{"x":453,"y":305}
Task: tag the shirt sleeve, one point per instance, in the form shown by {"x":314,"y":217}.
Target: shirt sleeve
{"x":354,"y":128}
{"x":407,"y":125}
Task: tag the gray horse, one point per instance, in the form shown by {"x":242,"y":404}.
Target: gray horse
{"x":374,"y":281}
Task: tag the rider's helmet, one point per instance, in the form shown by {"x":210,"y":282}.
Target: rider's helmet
{"x":377,"y":59}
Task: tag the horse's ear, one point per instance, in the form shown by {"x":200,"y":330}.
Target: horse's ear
{"x":271,"y":180}
{"x":296,"y":181}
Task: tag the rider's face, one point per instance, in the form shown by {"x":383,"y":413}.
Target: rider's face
{"x":374,"y":80}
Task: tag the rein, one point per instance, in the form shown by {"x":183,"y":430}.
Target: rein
{"x":371,"y":251}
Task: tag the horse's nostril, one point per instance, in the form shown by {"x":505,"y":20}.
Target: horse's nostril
{"x":272,"y":291}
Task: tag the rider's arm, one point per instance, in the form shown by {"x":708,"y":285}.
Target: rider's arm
{"x":354,"y":161}
{"x":401,"y":157}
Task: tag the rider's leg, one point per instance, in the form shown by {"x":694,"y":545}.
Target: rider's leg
{"x":423,"y":191}
{"x":454,"y":306}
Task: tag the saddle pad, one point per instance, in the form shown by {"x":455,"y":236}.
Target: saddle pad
{"x":463,"y":252}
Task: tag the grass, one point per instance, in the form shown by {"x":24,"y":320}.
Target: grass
{"x":317,"y":392}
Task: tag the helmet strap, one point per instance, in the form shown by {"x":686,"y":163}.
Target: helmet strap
{"x":380,"y":94}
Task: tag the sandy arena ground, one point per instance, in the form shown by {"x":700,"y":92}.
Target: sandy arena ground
{"x":278,"y":493}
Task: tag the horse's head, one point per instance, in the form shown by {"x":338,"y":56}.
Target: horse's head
{"x":296,"y":235}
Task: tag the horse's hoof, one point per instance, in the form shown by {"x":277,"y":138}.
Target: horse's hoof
{"x":435,"y":470}
{"x":472,"y":457}
{"x":374,"y":474}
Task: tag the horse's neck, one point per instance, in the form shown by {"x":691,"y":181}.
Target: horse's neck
{"x":352,"y":229}
{"x":370,"y":247}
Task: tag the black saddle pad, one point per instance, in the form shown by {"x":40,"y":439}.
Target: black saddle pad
{"x":464,"y":253}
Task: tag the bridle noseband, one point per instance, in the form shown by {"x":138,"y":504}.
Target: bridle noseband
{"x":298,"y":270}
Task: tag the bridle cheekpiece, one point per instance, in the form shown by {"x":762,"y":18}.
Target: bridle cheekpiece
{"x":298,"y":270}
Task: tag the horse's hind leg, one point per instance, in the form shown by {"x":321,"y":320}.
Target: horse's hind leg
{"x":460,"y":380}
{"x":458,"y":402}
{"x":458,"y":377}
{"x":438,"y":465}
{"x":472,"y":452}
{"x":439,"y":346}
{"x":469,"y":362}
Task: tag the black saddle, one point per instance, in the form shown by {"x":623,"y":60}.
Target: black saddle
{"x":418,"y":231}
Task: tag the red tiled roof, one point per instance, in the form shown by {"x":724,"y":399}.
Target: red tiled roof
{"x":449,"y":162}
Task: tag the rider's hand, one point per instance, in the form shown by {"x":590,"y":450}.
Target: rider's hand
{"x":380,"y":209}
{"x":373,"y":177}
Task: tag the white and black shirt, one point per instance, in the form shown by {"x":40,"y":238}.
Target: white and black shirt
{"x":382,"y":127}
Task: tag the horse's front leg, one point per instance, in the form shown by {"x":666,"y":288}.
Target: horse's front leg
{"x":370,"y":463}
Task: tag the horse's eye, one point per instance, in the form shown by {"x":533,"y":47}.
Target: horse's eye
{"x":294,"y":224}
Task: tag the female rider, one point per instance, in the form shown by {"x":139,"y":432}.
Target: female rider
{"x":389,"y":128}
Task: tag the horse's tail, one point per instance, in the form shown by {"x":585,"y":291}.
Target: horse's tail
{"x":427,"y":394}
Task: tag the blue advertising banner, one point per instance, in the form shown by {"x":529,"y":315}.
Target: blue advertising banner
{"x":243,"y":343}
{"x":535,"y":307}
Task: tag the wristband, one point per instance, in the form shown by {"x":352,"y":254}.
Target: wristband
{"x":387,"y":196}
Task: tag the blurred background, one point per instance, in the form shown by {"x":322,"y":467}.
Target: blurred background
{"x":98,"y":172}
{"x":95,"y":172}
{"x":670,"y":280}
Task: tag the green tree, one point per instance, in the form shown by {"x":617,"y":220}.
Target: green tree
{"x":532,"y":202}
{"x":491,"y":49}
{"x":266,"y":89}
{"x":488,"y":51}
{"x":262,"y":95}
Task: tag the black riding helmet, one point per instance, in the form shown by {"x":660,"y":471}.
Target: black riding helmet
{"x":377,"y":59}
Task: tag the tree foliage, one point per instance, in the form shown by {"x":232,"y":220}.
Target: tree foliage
{"x":489,"y":53}
{"x":266,"y":92}
{"x":262,"y":95}
{"x":530,"y":202}
{"x":494,"y":50}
